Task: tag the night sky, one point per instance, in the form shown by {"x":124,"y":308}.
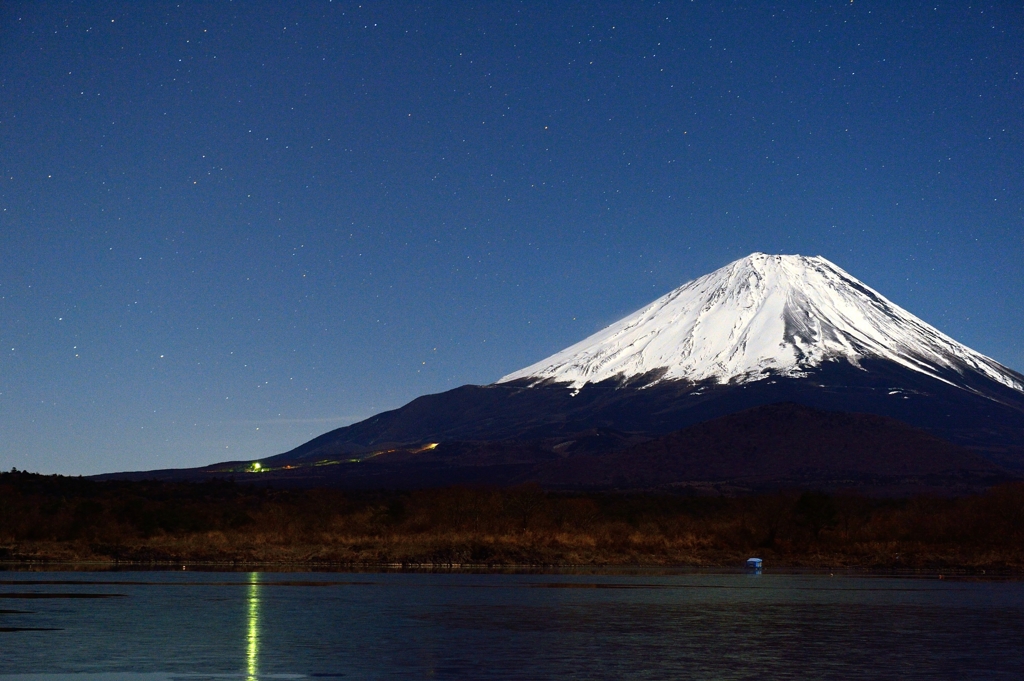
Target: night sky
{"x":227,"y":227}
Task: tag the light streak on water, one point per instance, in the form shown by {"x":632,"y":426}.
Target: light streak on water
{"x":252,"y":650}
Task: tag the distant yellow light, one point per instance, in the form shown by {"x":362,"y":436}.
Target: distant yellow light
{"x":431,"y":445}
{"x":256,"y":466}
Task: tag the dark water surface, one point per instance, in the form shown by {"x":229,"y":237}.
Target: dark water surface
{"x":157,"y":626}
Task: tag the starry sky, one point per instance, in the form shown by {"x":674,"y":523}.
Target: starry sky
{"x":227,"y":227}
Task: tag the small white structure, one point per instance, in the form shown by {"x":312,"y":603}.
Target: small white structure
{"x":754,"y":563}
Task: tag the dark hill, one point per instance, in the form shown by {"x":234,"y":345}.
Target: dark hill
{"x":762,"y":448}
{"x":784,"y":445}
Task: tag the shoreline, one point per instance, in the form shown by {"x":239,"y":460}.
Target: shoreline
{"x":97,"y":566}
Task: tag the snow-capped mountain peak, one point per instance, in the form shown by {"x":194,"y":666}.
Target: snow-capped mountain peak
{"x":759,"y":316}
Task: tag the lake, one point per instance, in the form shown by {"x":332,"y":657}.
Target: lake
{"x":159,"y":626}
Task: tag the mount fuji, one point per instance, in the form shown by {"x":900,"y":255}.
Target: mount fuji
{"x":713,"y":358}
{"x":765,"y":315}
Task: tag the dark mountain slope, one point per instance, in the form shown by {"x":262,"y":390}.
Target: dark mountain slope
{"x":994,"y":428}
{"x":784,"y":445}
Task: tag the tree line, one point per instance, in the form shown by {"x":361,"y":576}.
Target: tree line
{"x":56,"y":518}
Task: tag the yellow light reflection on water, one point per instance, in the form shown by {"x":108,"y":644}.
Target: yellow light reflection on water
{"x":252,"y":650}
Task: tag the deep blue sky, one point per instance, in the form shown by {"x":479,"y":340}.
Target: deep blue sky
{"x":227,"y":227}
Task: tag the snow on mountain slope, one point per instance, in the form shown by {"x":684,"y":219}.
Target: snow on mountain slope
{"x":764,"y":315}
